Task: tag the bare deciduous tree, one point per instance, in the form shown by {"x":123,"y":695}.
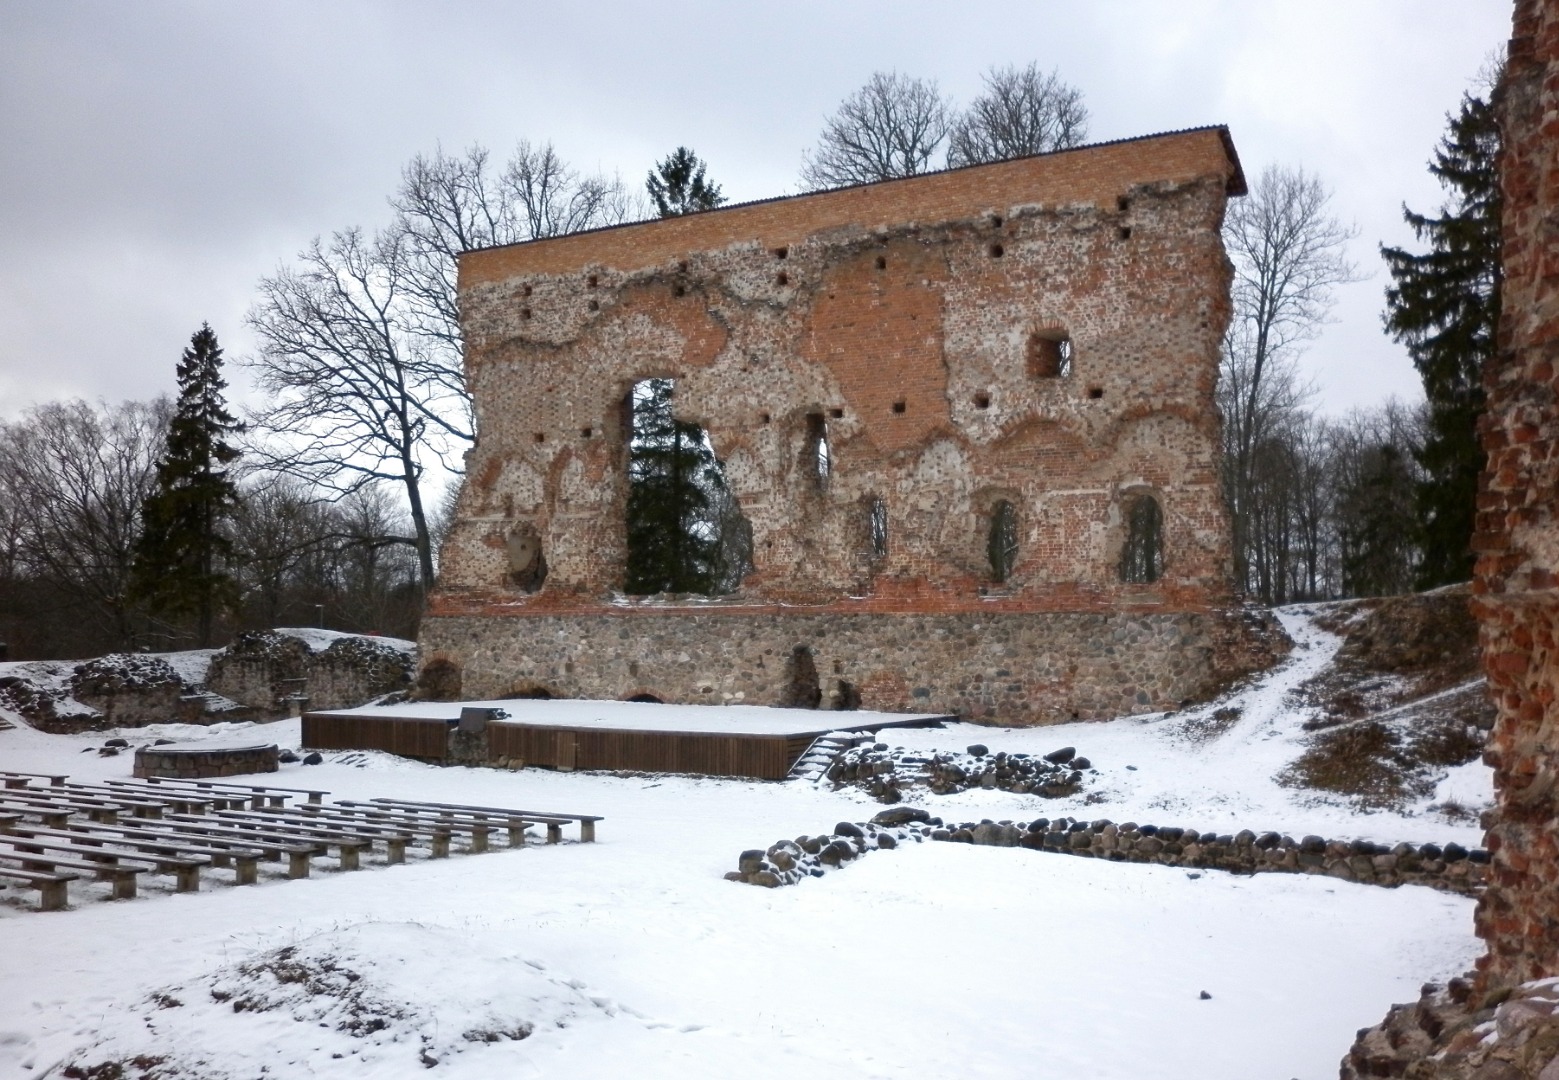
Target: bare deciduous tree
{"x":888,"y":128}
{"x":74,"y":477}
{"x":1289,"y":253}
{"x":1022,"y":111}
{"x":356,"y":393}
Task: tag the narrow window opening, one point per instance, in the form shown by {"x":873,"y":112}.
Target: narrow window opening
{"x":882,"y":262}
{"x":997,"y":251}
{"x":982,"y":401}
{"x":1142,"y":556}
{"x":527,"y":566}
{"x":898,"y":406}
{"x":1048,"y":354}
{"x":685,"y":529}
{"x":877,"y":526}
{"x":1002,"y":541}
{"x":1096,"y":392}
{"x":816,"y":460}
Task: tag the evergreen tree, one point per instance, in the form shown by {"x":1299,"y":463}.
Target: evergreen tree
{"x":685,"y":532}
{"x":180,"y":562}
{"x":677,"y":185}
{"x":1444,"y":306}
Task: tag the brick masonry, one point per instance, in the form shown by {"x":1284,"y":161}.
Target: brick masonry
{"x":1517,"y":601}
{"x":904,"y":316}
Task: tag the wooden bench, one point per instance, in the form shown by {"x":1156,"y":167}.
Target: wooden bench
{"x":479,"y":826}
{"x":96,"y":849}
{"x":33,"y":855}
{"x":138,"y":806}
{"x":258,"y":794}
{"x":173,"y":793}
{"x":36,"y":802}
{"x":273,"y":838}
{"x":178,"y":801}
{"x":436,"y":832}
{"x":548,"y":818}
{"x":164,"y":838}
{"x":22,"y":779}
{"x":51,"y":887}
{"x":350,"y":841}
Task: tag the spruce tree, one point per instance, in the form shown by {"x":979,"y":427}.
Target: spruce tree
{"x":1443,"y":305}
{"x":181,"y":559}
{"x":677,"y":185}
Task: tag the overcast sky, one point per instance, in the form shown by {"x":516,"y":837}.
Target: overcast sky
{"x":157,"y":158}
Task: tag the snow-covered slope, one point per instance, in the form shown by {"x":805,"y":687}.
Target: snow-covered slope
{"x":633,"y":957}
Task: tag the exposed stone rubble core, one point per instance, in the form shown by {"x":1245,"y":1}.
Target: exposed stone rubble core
{"x":1037,"y":337}
{"x":269,"y":671}
{"x":1451,"y":868}
{"x":1448,"y":1034}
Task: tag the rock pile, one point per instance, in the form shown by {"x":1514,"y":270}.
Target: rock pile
{"x":1447,"y":1035}
{"x":886,"y":772}
{"x":1451,"y":868}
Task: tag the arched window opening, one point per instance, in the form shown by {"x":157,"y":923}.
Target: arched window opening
{"x":1002,"y":541}
{"x":817,"y":461}
{"x":686,"y":532}
{"x":1142,"y":556}
{"x":647,"y":699}
{"x":877,"y":527}
{"x":1049,"y":354}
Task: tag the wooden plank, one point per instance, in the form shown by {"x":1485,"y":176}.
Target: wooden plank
{"x":98,"y":851}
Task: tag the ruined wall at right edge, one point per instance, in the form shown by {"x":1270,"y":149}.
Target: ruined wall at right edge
{"x":1517,"y":595}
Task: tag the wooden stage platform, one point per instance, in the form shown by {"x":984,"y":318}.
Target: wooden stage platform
{"x":713,"y":740}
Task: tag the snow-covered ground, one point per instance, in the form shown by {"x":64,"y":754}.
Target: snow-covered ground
{"x":633,"y":957}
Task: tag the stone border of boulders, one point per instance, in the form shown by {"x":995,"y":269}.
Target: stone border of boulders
{"x":884,"y":772}
{"x":1450,"y":868}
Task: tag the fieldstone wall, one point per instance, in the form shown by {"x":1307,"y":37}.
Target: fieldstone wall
{"x":205,"y":762}
{"x":266,"y":670}
{"x":1451,"y":868}
{"x":916,"y":326}
{"x":1003,"y":668}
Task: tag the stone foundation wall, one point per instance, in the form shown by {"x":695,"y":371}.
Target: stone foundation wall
{"x":1451,"y":868}
{"x":1017,"y":669}
{"x":205,"y":763}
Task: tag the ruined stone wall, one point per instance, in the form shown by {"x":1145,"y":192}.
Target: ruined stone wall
{"x":908,"y":319}
{"x":1517,"y":599}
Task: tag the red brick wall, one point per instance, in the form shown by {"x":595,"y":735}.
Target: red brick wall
{"x":1518,"y":533}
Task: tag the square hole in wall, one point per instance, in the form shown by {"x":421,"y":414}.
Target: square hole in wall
{"x":525,"y":291}
{"x":592,"y":281}
{"x":1096,"y":392}
{"x":540,"y":437}
{"x":882,"y":262}
{"x":1124,"y":232}
{"x":782,"y":252}
{"x":837,"y":414}
{"x":764,"y":418}
{"x":995,"y":221}
{"x":595,"y":305}
{"x":524,"y":312}
{"x":997,"y":251}
{"x":585,"y":432}
{"x":782,"y":278}
{"x":899,"y":406}
{"x":678,"y":290}
{"x":1122,"y":203}
{"x":682,"y":266}
{"x":982,"y":401}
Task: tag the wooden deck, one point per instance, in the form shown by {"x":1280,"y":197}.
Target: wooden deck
{"x":760,"y":743}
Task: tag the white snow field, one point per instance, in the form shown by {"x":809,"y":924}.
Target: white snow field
{"x":632,"y":957}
